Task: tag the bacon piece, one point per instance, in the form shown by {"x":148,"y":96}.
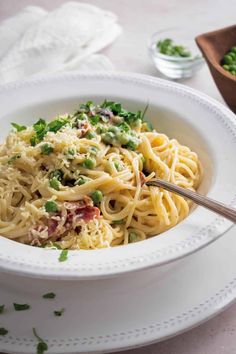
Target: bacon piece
{"x":87,"y":213}
{"x":52,"y":225}
{"x":80,"y":210}
{"x":74,"y":213}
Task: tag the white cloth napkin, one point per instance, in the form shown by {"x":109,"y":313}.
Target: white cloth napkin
{"x":37,"y":42}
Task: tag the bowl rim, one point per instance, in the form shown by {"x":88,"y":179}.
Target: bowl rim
{"x":68,"y":270}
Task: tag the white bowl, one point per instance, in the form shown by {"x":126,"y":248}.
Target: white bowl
{"x":194,"y":119}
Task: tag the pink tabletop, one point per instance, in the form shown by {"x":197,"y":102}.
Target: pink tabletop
{"x":139,"y":19}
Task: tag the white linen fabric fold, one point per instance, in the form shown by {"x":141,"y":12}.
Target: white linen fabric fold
{"x":61,"y":40}
{"x":12,"y":28}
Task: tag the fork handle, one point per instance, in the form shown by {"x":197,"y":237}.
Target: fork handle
{"x":217,"y":207}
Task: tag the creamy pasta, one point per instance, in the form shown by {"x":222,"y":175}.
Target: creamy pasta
{"x":78,"y":181}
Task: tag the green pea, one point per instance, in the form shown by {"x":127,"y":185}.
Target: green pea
{"x":97,"y":197}
{"x":100,"y":129}
{"x":54,"y":183}
{"x":133,"y":237}
{"x":227,"y":59}
{"x":89,"y":163}
{"x":113,"y":129}
{"x":226,"y":67}
{"x":108,"y":137}
{"x":233,"y":49}
{"x":80,"y":181}
{"x":123,"y":138}
{"x":232,"y":67}
{"x":232,"y":54}
{"x":90,"y":135}
{"x":51,"y":207}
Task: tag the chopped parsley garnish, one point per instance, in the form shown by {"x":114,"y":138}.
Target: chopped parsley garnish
{"x":124,"y":127}
{"x":54,"y":183}
{"x":14,"y":158}
{"x":42,"y":346}
{"x":144,"y":111}
{"x":113,"y":106}
{"x":49,"y":296}
{"x":18,"y":127}
{"x":88,"y":106}
{"x":57,"y":124}
{"x":71,"y":152}
{"x":40,"y":128}
{"x":117,"y":166}
{"x":46,"y":149}
{"x":3,"y":331}
{"x":97,"y":197}
{"x":58,"y":313}
{"x":33,"y":140}
{"x":51,"y":206}
{"x":81,"y":116}
{"x":94,"y":119}
{"x":2,"y":308}
{"x":21,"y":307}
{"x":63,"y":256}
{"x":129,"y":117}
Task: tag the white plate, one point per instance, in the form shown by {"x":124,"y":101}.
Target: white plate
{"x":124,"y":312}
{"x":195,"y":119}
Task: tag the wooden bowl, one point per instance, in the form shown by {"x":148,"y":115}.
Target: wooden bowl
{"x":214,"y":45}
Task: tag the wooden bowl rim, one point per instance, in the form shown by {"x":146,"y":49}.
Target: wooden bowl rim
{"x":200,"y":40}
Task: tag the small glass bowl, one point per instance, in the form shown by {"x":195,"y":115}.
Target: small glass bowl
{"x":176,"y":67}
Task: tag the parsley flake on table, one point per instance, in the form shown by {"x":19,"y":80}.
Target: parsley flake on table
{"x":49,"y":296}
{"x":59,"y":313}
{"x":2,"y":308}
{"x":42,"y":346}
{"x":3,"y":331}
{"x":21,"y":307}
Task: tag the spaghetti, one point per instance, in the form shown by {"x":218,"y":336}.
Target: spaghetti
{"x":77,"y":182}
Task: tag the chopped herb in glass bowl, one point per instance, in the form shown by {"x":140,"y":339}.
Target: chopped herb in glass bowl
{"x":175,"y":53}
{"x":168,"y":47}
